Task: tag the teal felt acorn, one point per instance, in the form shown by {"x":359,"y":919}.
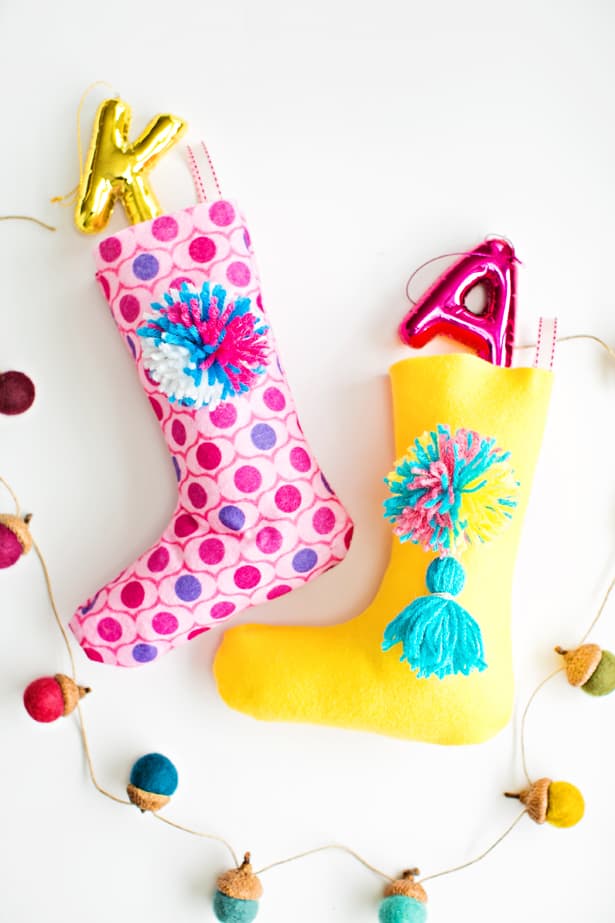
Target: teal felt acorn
{"x":404,"y":900}
{"x":153,"y":779}
{"x":590,"y":668}
{"x":238,"y":893}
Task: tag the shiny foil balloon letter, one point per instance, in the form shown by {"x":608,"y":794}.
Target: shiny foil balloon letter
{"x":117,"y":169}
{"x":442,"y":310}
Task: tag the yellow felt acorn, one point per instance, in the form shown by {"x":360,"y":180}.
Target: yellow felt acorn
{"x":560,"y":804}
{"x":404,"y":900}
{"x":238,"y":893}
{"x":590,"y":668}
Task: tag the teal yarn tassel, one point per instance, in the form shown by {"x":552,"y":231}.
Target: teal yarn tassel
{"x":438,"y":636}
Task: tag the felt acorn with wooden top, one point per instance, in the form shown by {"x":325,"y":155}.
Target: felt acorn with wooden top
{"x":404,"y":900}
{"x":590,"y":668}
{"x":153,"y":779}
{"x":15,"y":538}
{"x":51,"y":697}
{"x":560,"y":804}
{"x":449,"y":491}
{"x":238,"y":893}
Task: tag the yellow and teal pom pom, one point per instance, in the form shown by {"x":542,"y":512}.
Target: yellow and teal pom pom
{"x":451,"y":490}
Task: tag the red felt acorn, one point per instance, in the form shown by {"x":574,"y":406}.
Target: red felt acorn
{"x":17,"y":393}
{"x":15,"y":538}
{"x":51,"y":697}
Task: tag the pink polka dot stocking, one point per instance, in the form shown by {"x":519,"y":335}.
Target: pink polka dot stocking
{"x":256,"y":517}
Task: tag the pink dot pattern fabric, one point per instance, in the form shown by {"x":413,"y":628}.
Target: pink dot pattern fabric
{"x":256,"y":517}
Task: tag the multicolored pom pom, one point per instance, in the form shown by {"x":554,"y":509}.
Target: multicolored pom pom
{"x":51,"y":697}
{"x":560,"y":804}
{"x":404,"y":900}
{"x":451,"y":490}
{"x":202,"y":350}
{"x":590,"y":668}
{"x":15,"y":538}
{"x":153,"y":779}
{"x":238,"y":893}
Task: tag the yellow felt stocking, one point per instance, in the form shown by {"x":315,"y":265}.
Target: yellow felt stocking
{"x":339,"y":674}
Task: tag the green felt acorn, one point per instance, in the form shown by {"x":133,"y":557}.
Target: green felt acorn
{"x":238,"y":894}
{"x":404,"y":900}
{"x":590,"y":668}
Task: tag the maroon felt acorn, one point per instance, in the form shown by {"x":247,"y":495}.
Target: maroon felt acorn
{"x":17,"y":393}
{"x":15,"y":538}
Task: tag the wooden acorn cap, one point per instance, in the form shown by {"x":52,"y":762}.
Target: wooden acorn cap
{"x":582,"y":663}
{"x":19,"y":528}
{"x":146,"y":801}
{"x":241,"y":883}
{"x":71,"y":692}
{"x":535,"y":798}
{"x":407,"y":886}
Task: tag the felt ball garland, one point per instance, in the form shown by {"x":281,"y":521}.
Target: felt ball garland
{"x":15,"y":538}
{"x":154,"y":778}
{"x":17,"y":393}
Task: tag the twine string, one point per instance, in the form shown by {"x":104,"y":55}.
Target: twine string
{"x":311,"y":852}
{"x":483,"y":855}
{"x":574,"y":336}
{"x":41,"y":224}
{"x":205,"y":836}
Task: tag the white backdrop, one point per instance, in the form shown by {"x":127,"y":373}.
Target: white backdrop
{"x":361,"y":138}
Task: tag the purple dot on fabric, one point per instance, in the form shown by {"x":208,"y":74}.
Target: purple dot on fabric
{"x":269,"y":540}
{"x":263,"y":436}
{"x":238,"y":274}
{"x":222,"y":213}
{"x":178,"y":431}
{"x":211,"y":551}
{"x":232,"y":517}
{"x":145,"y":266}
{"x":110,"y":249}
{"x":208,"y":455}
{"x":323,"y":520}
{"x":222,"y":610}
{"x":109,"y":629}
{"x":304,"y":560}
{"x":133,"y":594}
{"x":247,"y":577}
{"x":197,"y":632}
{"x":165,"y":228}
{"x":247,"y":479}
{"x":326,"y":483}
{"x":143,"y":653}
{"x":223,"y":416}
{"x":198,"y":496}
{"x":187,"y":588}
{"x":299,"y":459}
{"x":348,"y":537}
{"x":164,"y":623}
{"x":178,"y":470}
{"x":129,"y":308}
{"x":274,"y":399}
{"x":156,"y":407}
{"x":158,"y":559}
{"x":104,"y":284}
{"x":281,"y":590}
{"x":202,"y":249}
{"x":185,"y":525}
{"x":132,"y":347}
{"x":287,"y":498}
